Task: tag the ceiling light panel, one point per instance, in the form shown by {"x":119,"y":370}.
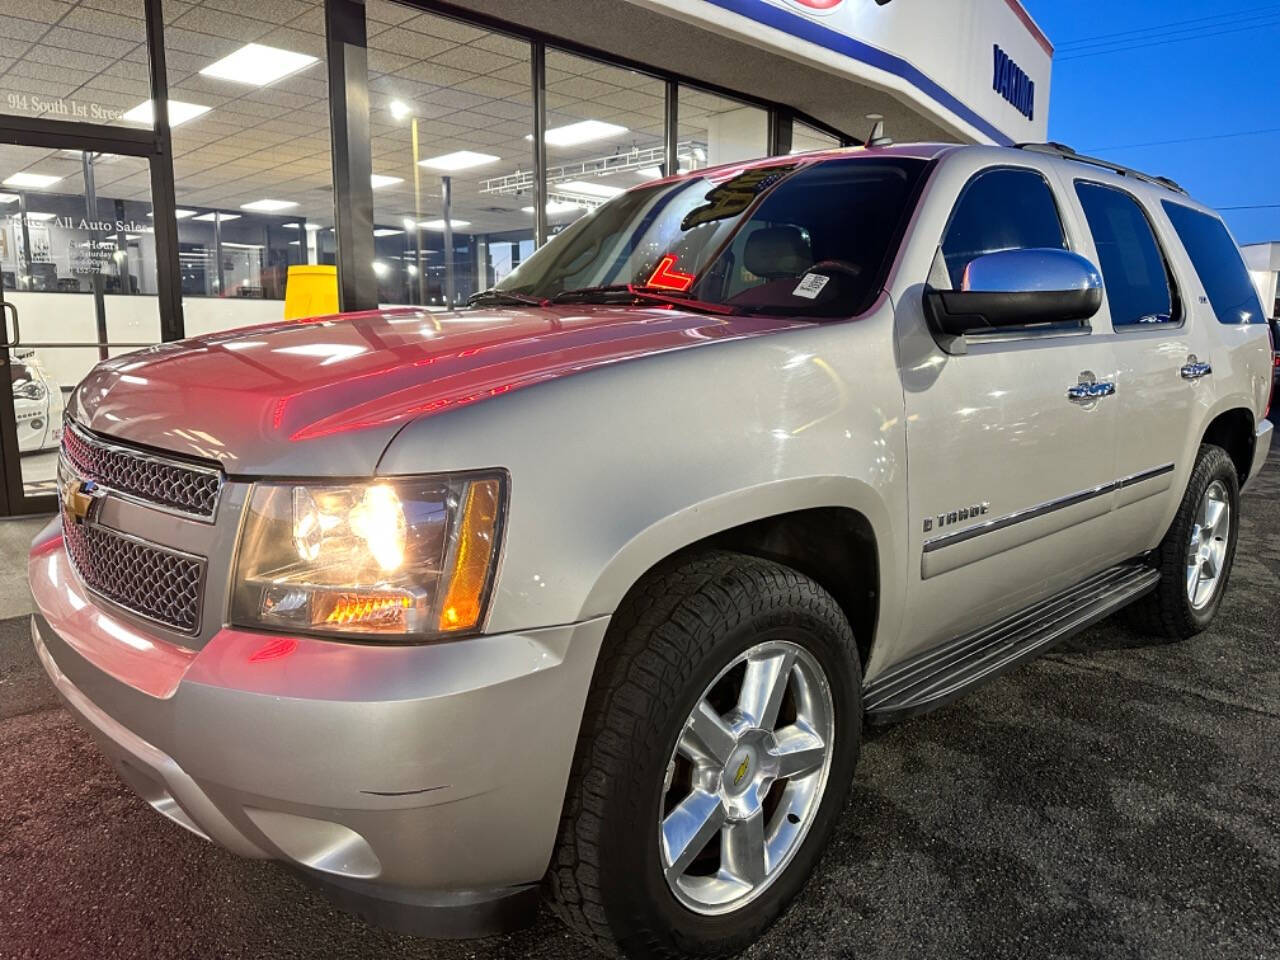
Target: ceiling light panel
{"x":586,"y":188}
{"x":584,"y":131}
{"x":33,"y":181}
{"x":458,"y":160}
{"x":268,"y":206}
{"x":179,"y":113}
{"x":257,"y":65}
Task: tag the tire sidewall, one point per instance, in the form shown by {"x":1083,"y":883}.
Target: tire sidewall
{"x":1221,"y":469}
{"x":643,"y":893}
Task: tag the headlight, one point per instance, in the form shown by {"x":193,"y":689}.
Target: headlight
{"x":403,"y":558}
{"x":28,"y":390}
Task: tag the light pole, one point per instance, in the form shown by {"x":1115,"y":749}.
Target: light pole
{"x":400,"y":110}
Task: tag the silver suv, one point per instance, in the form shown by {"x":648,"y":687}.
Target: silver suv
{"x":591,"y":587}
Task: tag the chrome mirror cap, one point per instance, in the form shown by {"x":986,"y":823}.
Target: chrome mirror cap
{"x":1043,"y":270}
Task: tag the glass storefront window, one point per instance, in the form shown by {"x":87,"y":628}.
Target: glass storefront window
{"x":78,"y":264}
{"x":720,"y":130}
{"x":805,"y":138}
{"x":452,"y":105}
{"x":76,"y":61}
{"x":604,"y":133}
{"x":254,"y":184}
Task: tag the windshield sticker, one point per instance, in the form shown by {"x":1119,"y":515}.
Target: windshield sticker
{"x":734,"y":195}
{"x":810,"y":286}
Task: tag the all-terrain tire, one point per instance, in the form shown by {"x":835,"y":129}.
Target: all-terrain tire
{"x":1168,"y":611}
{"x":670,"y":638}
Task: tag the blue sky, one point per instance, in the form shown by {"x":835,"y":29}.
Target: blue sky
{"x":1130,"y":75}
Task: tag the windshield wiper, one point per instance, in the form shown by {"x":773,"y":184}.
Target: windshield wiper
{"x":628,"y":292}
{"x":504,"y":298}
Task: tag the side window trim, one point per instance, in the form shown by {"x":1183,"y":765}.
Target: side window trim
{"x":1031,"y":331}
{"x":1176,"y":301}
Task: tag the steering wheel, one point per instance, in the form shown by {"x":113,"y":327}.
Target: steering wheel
{"x":836,"y":266}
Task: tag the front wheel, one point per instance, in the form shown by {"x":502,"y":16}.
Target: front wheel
{"x":1195,"y":557}
{"x":717,"y":749}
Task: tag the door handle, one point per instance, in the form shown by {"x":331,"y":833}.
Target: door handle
{"x":1086,"y":391}
{"x":1195,"y":368}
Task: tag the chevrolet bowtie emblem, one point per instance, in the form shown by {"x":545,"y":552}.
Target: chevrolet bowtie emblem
{"x":78,"y":498}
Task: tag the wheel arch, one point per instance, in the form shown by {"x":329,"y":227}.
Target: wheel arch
{"x":834,"y":530}
{"x":1233,"y":429}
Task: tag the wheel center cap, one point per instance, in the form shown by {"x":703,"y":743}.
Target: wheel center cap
{"x":746,"y":776}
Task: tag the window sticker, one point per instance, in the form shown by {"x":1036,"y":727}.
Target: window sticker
{"x":810,"y":286}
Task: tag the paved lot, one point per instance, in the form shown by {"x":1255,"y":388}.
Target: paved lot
{"x":1115,"y":799}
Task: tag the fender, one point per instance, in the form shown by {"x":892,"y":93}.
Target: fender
{"x":701,"y":520}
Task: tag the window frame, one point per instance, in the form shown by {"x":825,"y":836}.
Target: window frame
{"x":1028,"y":331}
{"x":1177,"y":302}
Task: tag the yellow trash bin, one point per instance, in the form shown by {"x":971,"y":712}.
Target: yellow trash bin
{"x":311,"y":291}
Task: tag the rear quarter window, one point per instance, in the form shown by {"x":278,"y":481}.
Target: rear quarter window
{"x":1218,"y":264}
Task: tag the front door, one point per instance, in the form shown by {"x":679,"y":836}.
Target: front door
{"x":78,"y":281}
{"x":1008,"y":476}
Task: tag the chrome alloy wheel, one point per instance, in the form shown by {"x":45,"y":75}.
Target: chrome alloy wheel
{"x":1207,"y":552}
{"x":746,"y":778}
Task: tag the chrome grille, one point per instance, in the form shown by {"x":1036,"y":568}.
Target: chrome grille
{"x":170,"y":484}
{"x":154,"y":582}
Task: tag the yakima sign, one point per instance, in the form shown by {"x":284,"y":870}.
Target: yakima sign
{"x":1012,"y":83}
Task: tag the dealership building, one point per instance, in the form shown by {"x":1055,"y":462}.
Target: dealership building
{"x":164,"y":163}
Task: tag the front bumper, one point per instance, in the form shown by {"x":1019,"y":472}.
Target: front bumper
{"x":422,"y":785}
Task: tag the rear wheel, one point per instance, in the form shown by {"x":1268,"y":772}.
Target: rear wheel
{"x":717,"y":749}
{"x":1195,"y":557}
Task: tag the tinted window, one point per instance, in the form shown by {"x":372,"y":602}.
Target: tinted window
{"x":1133,"y":267}
{"x":1218,"y":264}
{"x":1001,"y":210}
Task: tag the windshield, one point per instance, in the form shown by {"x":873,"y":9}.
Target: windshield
{"x":781,"y":238}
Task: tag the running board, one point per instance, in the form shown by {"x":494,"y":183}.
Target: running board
{"x":940,"y":675}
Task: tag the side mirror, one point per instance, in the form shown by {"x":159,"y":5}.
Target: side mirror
{"x":1015,"y":288}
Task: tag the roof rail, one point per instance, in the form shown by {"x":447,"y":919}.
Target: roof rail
{"x":1066,"y":153}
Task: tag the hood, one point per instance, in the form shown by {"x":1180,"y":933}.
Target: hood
{"x":324,"y":397}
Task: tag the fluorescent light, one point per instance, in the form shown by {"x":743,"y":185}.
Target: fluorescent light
{"x":179,"y":112}
{"x":439,"y":224}
{"x":268,"y":206}
{"x":41,"y":216}
{"x":386,"y":232}
{"x":379,"y":180}
{"x":655,"y":173}
{"x":178,"y":214}
{"x":242,"y":246}
{"x":132,"y":236}
{"x":295,"y":243}
{"x":8,"y":197}
{"x":291,"y":226}
{"x":399,"y":109}
{"x":219,"y":217}
{"x":586,"y":188}
{"x":584,"y":131}
{"x":380,"y":269}
{"x":557,"y":206}
{"x":37,"y":181}
{"x":257,"y":65}
{"x":458,"y":160}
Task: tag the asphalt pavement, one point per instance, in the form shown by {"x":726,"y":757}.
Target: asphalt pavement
{"x":1117,"y":798}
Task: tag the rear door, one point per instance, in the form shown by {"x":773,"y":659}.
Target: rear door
{"x":1008,"y":479}
{"x":1154,"y":337}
